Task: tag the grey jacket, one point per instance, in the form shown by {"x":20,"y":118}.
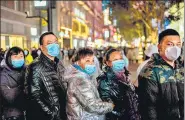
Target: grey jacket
{"x":83,"y":101}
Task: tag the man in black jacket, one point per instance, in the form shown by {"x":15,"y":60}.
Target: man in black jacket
{"x":46,"y":94}
{"x":161,"y":81}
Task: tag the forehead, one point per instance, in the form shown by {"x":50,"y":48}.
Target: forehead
{"x":171,"y":38}
{"x":115,"y":55}
{"x":89,"y":57}
{"x":20,"y":53}
{"x":49,"y":37}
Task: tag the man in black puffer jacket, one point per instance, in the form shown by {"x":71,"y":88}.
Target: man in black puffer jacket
{"x":161,"y":81}
{"x":46,"y":94}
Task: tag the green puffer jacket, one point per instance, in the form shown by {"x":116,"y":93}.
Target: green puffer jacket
{"x":161,"y":90}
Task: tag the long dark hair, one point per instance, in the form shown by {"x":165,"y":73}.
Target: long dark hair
{"x":13,"y":51}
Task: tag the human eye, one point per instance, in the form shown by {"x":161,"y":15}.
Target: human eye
{"x":170,"y":44}
{"x":179,"y":44}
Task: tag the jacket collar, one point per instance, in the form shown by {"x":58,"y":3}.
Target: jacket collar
{"x":160,"y":61}
{"x":48,"y":62}
{"x":112,"y":78}
{"x":15,"y":74}
{"x":109,"y":73}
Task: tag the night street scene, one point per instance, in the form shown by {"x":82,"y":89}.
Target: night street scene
{"x":92,"y":60}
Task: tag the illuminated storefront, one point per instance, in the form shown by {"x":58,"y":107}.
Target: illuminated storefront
{"x":80,"y":33}
{"x":99,"y":43}
{"x":12,"y":40}
{"x":65,"y":37}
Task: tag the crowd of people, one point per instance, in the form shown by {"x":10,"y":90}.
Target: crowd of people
{"x":87,"y":84}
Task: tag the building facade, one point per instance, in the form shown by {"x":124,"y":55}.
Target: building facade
{"x":76,"y":23}
{"x":80,"y":23}
{"x":16,"y":29}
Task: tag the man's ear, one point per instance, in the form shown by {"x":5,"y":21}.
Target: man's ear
{"x":41,"y":47}
{"x":159,"y":47}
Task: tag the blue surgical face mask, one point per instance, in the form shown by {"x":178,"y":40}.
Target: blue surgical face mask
{"x":90,"y":69}
{"x":53,"y":49}
{"x":118,"y":65}
{"x":18,"y":63}
{"x":26,"y":52}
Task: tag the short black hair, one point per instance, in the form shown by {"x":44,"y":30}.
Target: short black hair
{"x":82,"y":52}
{"x":43,"y":35}
{"x":13,"y":51}
{"x":166,"y":33}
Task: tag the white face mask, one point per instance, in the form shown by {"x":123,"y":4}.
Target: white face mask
{"x":38,"y":52}
{"x":172,"y":53}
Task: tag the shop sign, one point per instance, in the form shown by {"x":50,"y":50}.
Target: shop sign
{"x":40,"y":3}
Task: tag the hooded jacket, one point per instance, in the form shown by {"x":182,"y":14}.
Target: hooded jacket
{"x":13,"y":98}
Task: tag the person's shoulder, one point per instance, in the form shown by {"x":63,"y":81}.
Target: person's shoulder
{"x":4,"y":76}
{"x":35,"y":64}
{"x":101,"y":77}
{"x":79,"y":80}
{"x":73,"y":74}
{"x":149,"y":69}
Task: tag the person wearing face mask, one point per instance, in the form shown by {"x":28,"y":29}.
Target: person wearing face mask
{"x":116,"y":87}
{"x":44,"y":87}
{"x":83,"y":101}
{"x":148,"y":53}
{"x":161,"y":81}
{"x":12,"y":85}
{"x":29,"y":58}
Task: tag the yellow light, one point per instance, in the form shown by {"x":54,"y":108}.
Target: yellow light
{"x":78,"y":33}
{"x":66,"y":28}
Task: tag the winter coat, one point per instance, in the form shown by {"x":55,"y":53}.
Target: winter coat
{"x":46,"y":95}
{"x":83,"y":101}
{"x":161,"y":90}
{"x":121,"y":93}
{"x":12,"y":92}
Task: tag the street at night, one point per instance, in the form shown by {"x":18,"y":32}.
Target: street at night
{"x":92,"y":60}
